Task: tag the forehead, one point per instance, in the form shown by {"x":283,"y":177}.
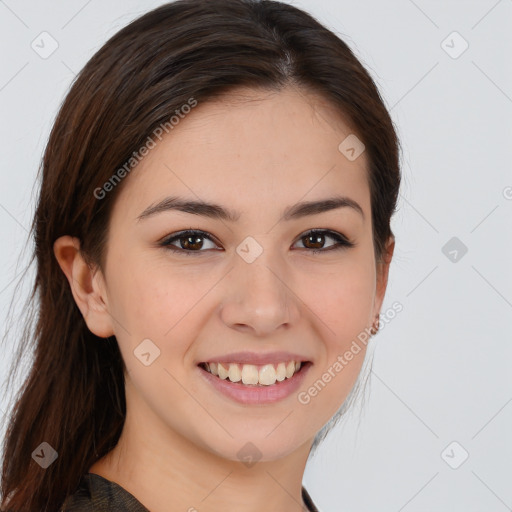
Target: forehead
{"x":247,"y":147}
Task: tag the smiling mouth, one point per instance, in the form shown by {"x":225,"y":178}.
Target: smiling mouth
{"x":255,"y":375}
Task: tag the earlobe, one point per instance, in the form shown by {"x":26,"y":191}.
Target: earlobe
{"x":86,"y":285}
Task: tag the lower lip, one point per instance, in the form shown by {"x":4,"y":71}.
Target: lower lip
{"x":244,"y":394}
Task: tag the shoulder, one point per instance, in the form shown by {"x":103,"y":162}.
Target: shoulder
{"x":97,"y":494}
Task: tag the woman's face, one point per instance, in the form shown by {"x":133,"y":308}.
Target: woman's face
{"x":250,"y":287}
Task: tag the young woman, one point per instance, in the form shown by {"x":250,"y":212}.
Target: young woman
{"x":213,"y":240}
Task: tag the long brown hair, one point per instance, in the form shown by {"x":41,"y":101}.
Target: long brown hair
{"x":73,"y":397}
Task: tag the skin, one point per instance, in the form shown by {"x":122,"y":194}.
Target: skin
{"x":256,"y":152}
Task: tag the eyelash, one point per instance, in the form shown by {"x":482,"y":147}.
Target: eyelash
{"x":342,"y":242}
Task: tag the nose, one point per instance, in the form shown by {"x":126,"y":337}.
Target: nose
{"x":259,"y":297}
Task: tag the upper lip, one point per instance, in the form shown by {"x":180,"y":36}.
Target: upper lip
{"x":257,"y":359}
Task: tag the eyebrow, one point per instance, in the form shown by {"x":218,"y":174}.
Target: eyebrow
{"x":215,"y":211}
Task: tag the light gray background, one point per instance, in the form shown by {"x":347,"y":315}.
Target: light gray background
{"x":441,"y":368}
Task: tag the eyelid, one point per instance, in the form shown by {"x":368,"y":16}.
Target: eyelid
{"x":166,"y":241}
{"x":342,"y":242}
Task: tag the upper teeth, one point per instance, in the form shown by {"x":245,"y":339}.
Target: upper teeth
{"x":252,"y":374}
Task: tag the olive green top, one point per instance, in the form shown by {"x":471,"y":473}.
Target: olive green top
{"x":97,"y":494}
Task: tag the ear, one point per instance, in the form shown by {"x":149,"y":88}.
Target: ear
{"x":382,"y":275}
{"x":87,"y":286}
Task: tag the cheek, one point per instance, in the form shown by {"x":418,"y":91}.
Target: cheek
{"x":153,"y":297}
{"x":154,"y":303}
{"x":144,"y":304}
{"x":342,"y":303}
{"x":341,"y":298}
{"x":345,"y":313}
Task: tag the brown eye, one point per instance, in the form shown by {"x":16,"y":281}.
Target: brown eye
{"x":316,"y":239}
{"x":188,"y":242}
{"x":191,"y":242}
